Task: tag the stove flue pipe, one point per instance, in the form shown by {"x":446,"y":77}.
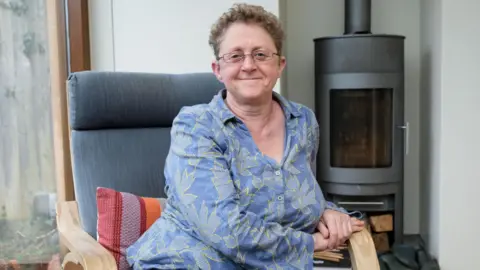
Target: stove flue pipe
{"x":357,"y":17}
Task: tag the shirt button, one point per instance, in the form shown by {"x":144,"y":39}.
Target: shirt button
{"x":280,"y":198}
{"x":277,"y":173}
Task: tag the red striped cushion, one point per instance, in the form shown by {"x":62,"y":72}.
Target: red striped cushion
{"x":122,"y":218}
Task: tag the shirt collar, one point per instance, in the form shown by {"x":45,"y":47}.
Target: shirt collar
{"x":218,"y":105}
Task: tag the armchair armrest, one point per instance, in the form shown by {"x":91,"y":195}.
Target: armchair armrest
{"x":84,"y":251}
{"x":363,"y":254}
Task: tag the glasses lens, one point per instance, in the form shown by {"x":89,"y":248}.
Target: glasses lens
{"x":261,"y":56}
{"x":234,"y":57}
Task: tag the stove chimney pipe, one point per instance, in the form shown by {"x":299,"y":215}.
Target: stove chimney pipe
{"x":357,"y":16}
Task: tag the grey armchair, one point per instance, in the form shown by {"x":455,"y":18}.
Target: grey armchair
{"x":120,"y":136}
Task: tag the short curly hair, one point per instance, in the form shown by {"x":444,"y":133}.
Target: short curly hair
{"x":246,"y":13}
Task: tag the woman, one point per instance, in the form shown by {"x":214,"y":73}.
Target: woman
{"x":239,"y":176}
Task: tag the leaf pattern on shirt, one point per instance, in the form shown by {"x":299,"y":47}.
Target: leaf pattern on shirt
{"x":257,"y":182}
{"x":186,"y":181}
{"x":301,"y":193}
{"x":205,"y":255}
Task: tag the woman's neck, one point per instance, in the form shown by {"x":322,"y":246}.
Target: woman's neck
{"x":258,"y":113}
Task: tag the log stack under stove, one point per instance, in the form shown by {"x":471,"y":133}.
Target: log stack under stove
{"x":380,"y":226}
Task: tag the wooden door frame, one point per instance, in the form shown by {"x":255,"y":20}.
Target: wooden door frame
{"x":79,"y":35}
{"x":69,"y":52}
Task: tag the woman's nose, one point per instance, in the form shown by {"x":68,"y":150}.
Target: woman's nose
{"x":248,"y":63}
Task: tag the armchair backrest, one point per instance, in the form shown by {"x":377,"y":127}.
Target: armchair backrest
{"x":120,"y":130}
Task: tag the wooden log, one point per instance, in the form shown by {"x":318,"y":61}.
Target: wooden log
{"x":381,"y":223}
{"x":381,"y":242}
{"x":368,"y":227}
{"x":328,"y":256}
{"x":362,"y":251}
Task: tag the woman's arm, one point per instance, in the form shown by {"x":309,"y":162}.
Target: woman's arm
{"x":203,"y":190}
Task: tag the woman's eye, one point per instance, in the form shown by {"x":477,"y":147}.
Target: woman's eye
{"x":260,"y":56}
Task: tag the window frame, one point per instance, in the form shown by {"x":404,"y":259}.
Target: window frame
{"x":69,"y":43}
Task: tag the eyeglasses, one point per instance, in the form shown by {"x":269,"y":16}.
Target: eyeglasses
{"x":239,"y":56}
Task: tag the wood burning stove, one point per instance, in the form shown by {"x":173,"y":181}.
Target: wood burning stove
{"x":359,"y":103}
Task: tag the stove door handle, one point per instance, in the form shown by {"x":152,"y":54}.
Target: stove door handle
{"x":360,"y":203}
{"x":406,"y":130}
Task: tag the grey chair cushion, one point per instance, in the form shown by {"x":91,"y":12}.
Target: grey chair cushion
{"x":102,"y":100}
{"x":121,"y":130}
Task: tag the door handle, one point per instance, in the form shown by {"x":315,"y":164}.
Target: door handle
{"x":407,"y":135}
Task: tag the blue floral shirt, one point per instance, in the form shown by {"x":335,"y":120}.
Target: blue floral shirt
{"x":229,"y":206}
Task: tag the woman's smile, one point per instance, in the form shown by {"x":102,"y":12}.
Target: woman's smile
{"x":250,"y":81}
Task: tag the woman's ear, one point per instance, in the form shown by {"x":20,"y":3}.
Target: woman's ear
{"x":216,"y":69}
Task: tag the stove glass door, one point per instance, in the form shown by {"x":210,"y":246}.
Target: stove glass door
{"x":361,"y":128}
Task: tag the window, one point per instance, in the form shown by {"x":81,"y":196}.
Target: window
{"x":35,"y":170}
{"x":27,"y":170}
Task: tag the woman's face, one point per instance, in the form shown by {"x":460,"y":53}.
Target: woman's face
{"x":252,"y":77}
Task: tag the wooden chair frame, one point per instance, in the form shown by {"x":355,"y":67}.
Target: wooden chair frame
{"x":87,"y":254}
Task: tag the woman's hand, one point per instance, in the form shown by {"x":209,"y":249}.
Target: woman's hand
{"x":337,"y":227}
{"x":320,"y":243}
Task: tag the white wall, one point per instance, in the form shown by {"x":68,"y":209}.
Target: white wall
{"x":157,"y":36}
{"x":309,"y":19}
{"x":452,"y":65}
{"x":306,"y":20}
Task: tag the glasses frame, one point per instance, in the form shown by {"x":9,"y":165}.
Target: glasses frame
{"x":241,"y":59}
